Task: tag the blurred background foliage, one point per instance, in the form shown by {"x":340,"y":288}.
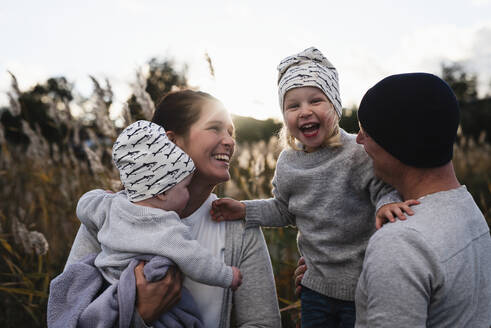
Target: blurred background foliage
{"x":50,"y":157}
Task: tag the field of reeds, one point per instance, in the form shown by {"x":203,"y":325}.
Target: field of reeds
{"x":41,"y":181}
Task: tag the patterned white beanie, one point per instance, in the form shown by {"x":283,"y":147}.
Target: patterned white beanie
{"x":148,"y":162}
{"x":309,"y":68}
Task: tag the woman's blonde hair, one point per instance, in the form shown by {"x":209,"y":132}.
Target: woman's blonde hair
{"x":333,"y":139}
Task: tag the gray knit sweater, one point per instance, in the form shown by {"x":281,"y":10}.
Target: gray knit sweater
{"x":432,"y":270}
{"x":330,"y":195}
{"x":126,"y":230}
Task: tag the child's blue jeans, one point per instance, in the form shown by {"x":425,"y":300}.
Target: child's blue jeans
{"x":322,"y":311}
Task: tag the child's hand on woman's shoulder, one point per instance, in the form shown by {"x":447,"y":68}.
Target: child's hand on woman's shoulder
{"x":225,"y":209}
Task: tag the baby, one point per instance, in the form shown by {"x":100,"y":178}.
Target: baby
{"x":144,"y":218}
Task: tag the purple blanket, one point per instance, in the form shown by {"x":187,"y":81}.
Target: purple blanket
{"x":77,"y":298}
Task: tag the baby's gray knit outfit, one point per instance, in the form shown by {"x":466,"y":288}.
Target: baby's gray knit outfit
{"x":254,"y":304}
{"x":330,"y":195}
{"x":126,"y":230}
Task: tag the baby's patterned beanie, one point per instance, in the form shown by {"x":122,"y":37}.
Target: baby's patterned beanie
{"x":148,"y":162}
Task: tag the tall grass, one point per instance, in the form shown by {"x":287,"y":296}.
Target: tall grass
{"x":472,"y":163}
{"x":39,"y":187}
{"x":41,"y":183}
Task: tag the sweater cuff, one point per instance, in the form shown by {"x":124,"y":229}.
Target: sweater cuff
{"x":229,"y":277}
{"x":253,"y":213}
{"x":391,"y":197}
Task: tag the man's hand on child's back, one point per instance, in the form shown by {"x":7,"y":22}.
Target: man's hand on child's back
{"x":224,"y":209}
{"x":389,"y":212}
{"x":237,"y":280}
{"x":298,"y":275}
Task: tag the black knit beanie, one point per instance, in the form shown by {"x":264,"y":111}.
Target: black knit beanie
{"x":412,"y":116}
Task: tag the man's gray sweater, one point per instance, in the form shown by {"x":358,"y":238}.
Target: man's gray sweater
{"x":432,"y":270}
{"x":331,"y":196}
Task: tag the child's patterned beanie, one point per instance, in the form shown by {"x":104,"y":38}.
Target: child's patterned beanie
{"x":148,"y":162}
{"x":309,"y":68}
{"x":413,"y":116}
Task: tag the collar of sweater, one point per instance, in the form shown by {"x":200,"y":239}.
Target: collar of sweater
{"x":317,"y":157}
{"x":127,"y":209}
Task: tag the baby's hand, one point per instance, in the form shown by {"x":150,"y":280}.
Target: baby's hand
{"x":227,"y":209}
{"x":388,"y":212}
{"x":237,"y":280}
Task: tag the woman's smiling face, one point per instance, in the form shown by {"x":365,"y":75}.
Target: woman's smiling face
{"x":210,"y":142}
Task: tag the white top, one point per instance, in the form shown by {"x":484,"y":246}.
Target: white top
{"x":210,"y":235}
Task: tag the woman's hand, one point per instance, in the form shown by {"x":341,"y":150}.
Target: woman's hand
{"x":155,"y":298}
{"x":298,"y":275}
{"x":389,"y":212}
{"x":237,"y":280}
{"x":224,"y":209}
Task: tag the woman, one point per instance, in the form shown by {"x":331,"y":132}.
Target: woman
{"x":200,"y":125}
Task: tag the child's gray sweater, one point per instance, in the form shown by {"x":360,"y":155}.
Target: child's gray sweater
{"x":330,"y":195}
{"x":126,"y":230}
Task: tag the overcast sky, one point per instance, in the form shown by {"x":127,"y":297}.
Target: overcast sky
{"x":365,"y":40}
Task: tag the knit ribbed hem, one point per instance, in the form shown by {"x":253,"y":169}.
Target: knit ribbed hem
{"x":229,"y":277}
{"x":391,"y":197}
{"x":253,"y":217}
{"x":334,"y":289}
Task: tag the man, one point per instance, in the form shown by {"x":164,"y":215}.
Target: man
{"x":434,"y":269}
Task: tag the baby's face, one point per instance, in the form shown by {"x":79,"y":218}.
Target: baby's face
{"x":177,"y":197}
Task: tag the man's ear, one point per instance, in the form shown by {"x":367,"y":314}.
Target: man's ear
{"x":171,"y":135}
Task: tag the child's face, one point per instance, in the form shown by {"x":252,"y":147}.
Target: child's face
{"x":177,"y":197}
{"x":309,"y":116}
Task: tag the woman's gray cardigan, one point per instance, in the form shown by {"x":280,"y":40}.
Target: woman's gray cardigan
{"x":254,"y":304}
